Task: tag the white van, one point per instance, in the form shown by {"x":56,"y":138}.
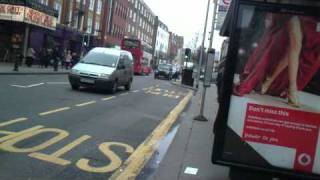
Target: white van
{"x":103,"y":68}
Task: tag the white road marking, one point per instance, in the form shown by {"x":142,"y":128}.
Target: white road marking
{"x":191,"y":170}
{"x":13,"y":121}
{"x":136,"y":91}
{"x":123,"y":94}
{"x":57,"y":83}
{"x":28,"y":86}
{"x":19,"y":86}
{"x":34,"y":85}
{"x":53,"y":111}
{"x":108,"y":98}
{"x":86,"y":103}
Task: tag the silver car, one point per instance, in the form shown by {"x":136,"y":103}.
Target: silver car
{"x":103,"y":68}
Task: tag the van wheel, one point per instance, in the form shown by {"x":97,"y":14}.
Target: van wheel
{"x":114,"y":87}
{"x":75,"y":86}
{"x":128,"y":85}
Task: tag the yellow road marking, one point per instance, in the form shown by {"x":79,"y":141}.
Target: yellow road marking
{"x":12,"y":121}
{"x":134,"y":164}
{"x":85,"y":104}
{"x":108,"y":98}
{"x":53,"y":111}
{"x":6,"y":132}
{"x":115,"y":160}
{"x":9,"y":145}
{"x":15,"y":134}
{"x":56,"y":156}
{"x":123,"y":94}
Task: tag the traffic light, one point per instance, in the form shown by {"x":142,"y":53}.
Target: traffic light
{"x":187,"y":52}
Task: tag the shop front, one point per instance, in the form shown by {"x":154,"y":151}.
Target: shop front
{"x":23,"y":24}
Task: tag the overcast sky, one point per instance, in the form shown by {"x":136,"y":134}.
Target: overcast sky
{"x":185,"y":18}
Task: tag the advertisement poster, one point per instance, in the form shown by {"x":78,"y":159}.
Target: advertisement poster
{"x":11,"y":12}
{"x":40,"y":19}
{"x":274,"y":110}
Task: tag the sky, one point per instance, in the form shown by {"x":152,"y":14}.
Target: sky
{"x":185,"y":18}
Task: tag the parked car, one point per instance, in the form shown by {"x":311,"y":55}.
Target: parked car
{"x":103,"y":68}
{"x":163,"y":70}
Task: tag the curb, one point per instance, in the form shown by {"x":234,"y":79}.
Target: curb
{"x":182,"y":85}
{"x":33,"y":73}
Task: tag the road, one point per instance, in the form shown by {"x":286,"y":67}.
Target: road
{"x":48,"y":131}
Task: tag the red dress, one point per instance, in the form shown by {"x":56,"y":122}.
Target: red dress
{"x":272,"y":47}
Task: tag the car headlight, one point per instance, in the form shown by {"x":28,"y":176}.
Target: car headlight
{"x":73,"y":71}
{"x":104,"y":76}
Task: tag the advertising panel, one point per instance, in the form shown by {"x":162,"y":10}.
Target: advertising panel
{"x":223,"y":6}
{"x":11,"y":12}
{"x":40,"y":19}
{"x":272,"y":117}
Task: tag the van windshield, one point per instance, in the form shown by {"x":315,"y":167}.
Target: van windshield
{"x":101,"y":59}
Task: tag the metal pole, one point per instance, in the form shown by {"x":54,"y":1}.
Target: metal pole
{"x":201,"y":116}
{"x":213,"y":22}
{"x":202,"y":45}
{"x":25,"y":42}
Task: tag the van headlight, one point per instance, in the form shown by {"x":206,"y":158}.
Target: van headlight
{"x":104,"y":76}
{"x":74,"y":71}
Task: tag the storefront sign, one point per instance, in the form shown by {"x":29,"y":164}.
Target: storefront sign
{"x":39,"y":18}
{"x":223,"y":7}
{"x":11,"y":12}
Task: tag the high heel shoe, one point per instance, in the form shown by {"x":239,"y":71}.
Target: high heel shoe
{"x":293,"y":99}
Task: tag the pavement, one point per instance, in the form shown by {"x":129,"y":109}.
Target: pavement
{"x":7,"y":69}
{"x":188,"y":157}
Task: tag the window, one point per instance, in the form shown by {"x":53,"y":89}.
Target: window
{"x":89,"y":26}
{"x":129,"y":28}
{"x":130,"y":13}
{"x":91,"y":5}
{"x":57,"y":6}
{"x":99,"y":7}
{"x":97,"y":28}
{"x":134,"y":17}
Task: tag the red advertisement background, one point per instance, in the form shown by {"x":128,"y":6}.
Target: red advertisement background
{"x":284,"y":127}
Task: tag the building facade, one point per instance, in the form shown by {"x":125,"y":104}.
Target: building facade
{"x":160,"y":41}
{"x":140,"y":21}
{"x":21,"y":23}
{"x":175,"y":43}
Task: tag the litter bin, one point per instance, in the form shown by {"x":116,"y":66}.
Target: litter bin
{"x":187,"y":78}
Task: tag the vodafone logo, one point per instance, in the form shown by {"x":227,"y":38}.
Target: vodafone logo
{"x":304,"y":159}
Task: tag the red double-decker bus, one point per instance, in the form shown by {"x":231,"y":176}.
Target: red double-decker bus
{"x":141,"y":52}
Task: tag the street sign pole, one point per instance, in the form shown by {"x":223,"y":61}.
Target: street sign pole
{"x":209,"y":67}
{"x":202,"y":46}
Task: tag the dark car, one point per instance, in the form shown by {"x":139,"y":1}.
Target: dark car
{"x":163,"y":70}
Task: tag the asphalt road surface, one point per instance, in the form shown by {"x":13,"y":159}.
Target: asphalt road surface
{"x":48,"y":131}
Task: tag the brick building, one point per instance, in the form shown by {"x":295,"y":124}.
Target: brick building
{"x":175,"y":43}
{"x":114,"y":21}
{"x":140,"y":21}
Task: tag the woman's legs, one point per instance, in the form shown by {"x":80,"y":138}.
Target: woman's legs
{"x":283,"y":63}
{"x":295,"y":34}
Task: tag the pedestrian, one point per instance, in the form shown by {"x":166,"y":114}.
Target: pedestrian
{"x":42,"y":56}
{"x":68,"y":59}
{"x":30,"y":56}
{"x":55,"y":57}
{"x":47,"y":57}
{"x":75,"y":59}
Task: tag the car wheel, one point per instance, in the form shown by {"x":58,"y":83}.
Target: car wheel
{"x":128,"y":85}
{"x":75,"y":86}
{"x":114,"y":87}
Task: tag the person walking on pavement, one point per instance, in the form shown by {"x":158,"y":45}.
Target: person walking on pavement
{"x":68,"y":59}
{"x":75,"y":59}
{"x":30,"y":56}
{"x":42,"y":56}
{"x":55,"y":57}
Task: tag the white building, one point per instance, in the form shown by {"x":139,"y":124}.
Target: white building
{"x":162,"y":41}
